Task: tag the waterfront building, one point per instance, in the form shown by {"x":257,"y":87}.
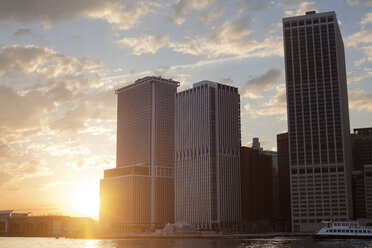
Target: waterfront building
{"x":359,"y":198}
{"x":257,"y":189}
{"x":207,"y":152}
{"x":274,"y":177}
{"x":138,"y":194}
{"x":318,"y":120}
{"x":283,"y":180}
{"x":361,"y":142}
{"x":368,"y":189}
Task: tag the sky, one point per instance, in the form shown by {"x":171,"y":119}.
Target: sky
{"x":61,"y":61}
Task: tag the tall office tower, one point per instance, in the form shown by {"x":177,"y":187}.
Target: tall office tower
{"x":139,"y":192}
{"x":283,"y":181}
{"x":318,"y":120}
{"x":208,"y":156}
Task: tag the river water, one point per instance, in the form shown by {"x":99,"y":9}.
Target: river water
{"x":298,"y":242}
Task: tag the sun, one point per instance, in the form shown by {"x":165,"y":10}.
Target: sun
{"x":85,"y":200}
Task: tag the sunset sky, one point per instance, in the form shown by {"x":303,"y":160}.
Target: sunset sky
{"x":60,"y":62}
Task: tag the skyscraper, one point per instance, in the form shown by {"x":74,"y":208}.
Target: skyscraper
{"x":139,"y":192}
{"x":208,"y":156}
{"x":318,"y":120}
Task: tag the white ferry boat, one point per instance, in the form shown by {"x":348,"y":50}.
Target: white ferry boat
{"x":343,"y":230}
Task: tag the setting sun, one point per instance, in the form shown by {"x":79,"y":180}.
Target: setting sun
{"x":85,"y":200}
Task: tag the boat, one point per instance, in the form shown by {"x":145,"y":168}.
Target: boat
{"x":343,"y":230}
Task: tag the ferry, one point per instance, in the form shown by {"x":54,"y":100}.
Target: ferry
{"x":343,"y":230}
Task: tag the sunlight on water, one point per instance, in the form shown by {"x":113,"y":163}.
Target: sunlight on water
{"x":304,"y":242}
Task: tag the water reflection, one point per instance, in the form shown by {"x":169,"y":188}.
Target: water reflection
{"x":304,"y":242}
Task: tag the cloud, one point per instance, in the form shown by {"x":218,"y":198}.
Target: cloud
{"x":22,"y":32}
{"x":354,"y":76}
{"x":360,"y":100}
{"x":67,"y":149}
{"x":362,"y":40}
{"x":361,"y":37}
{"x":93,"y":162}
{"x":146,"y":43}
{"x":45,"y":89}
{"x":54,"y":185}
{"x":367,"y":19}
{"x":183,"y":8}
{"x":359,"y":3}
{"x":13,"y":173}
{"x":6,"y":151}
{"x":122,"y":14}
{"x":4,"y":177}
{"x":229,"y":38}
{"x":296,"y":7}
{"x":277,"y":105}
{"x":20,"y":170}
{"x":265,"y":82}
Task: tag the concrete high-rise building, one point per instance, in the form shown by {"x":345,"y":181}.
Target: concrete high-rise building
{"x":318,"y":120}
{"x":208,"y":156}
{"x":139,"y":192}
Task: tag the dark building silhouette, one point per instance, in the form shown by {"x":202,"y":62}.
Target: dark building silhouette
{"x":361,"y":143}
{"x":139,"y":193}
{"x":284,"y":179}
{"x":256,"y":180}
{"x":318,"y":120}
{"x":359,"y":198}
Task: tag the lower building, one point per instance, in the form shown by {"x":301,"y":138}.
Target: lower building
{"x":359,"y":199}
{"x":125,"y":197}
{"x":284,"y":181}
{"x":256,"y":179}
{"x":368,"y":189}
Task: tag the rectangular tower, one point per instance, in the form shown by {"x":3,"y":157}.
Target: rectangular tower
{"x":208,"y":156}
{"x":139,"y":192}
{"x":318,"y":120}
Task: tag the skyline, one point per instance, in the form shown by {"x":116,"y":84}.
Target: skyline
{"x":58,"y":116}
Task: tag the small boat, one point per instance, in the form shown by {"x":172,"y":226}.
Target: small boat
{"x":343,"y":230}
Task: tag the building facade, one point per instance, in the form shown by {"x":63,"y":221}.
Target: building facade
{"x":361,"y":142}
{"x":284,"y":180}
{"x":257,"y":185}
{"x":368,"y":189}
{"x":207,"y":155}
{"x":318,"y":120}
{"x":139,"y":193}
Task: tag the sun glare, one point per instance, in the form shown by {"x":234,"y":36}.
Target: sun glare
{"x":85,"y":200}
